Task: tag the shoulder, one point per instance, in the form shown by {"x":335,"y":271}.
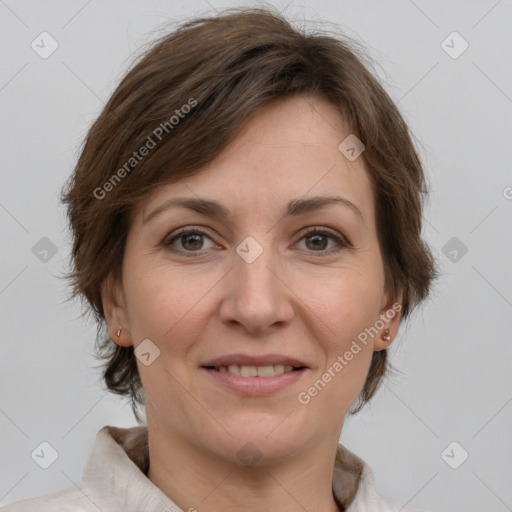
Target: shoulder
{"x":68,"y":500}
{"x":351,"y":470}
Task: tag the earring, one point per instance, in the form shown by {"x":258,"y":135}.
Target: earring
{"x":118,"y":333}
{"x":386,"y":336}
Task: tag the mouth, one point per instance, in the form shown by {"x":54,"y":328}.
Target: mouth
{"x":254,"y":375}
{"x":255,"y":371}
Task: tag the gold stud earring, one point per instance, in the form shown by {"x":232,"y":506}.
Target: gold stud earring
{"x":118,"y":333}
{"x":386,"y":336}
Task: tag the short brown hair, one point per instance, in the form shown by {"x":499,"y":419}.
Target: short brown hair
{"x":227,"y":68}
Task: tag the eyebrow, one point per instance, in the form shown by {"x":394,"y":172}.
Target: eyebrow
{"x":212,"y":208}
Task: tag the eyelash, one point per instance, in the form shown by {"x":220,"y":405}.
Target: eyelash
{"x":341,"y":240}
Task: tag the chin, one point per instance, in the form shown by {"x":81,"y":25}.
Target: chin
{"x":260,"y":452}
{"x":259,"y":439}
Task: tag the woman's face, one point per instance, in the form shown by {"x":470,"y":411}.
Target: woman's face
{"x":253,"y":286}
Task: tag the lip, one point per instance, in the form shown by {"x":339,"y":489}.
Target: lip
{"x":250,"y":360}
{"x":255,"y":386}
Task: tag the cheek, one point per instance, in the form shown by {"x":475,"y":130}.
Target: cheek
{"x":343,"y":317}
{"x":167,"y":304}
{"x":343,"y":305}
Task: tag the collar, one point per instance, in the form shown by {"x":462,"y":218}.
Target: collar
{"x":119,"y":462}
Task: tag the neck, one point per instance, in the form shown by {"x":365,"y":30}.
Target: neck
{"x":198,"y":480}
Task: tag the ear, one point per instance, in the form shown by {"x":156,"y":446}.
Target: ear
{"x":390,"y":316}
{"x":115,"y":312}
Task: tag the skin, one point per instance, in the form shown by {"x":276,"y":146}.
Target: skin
{"x":298,"y":298}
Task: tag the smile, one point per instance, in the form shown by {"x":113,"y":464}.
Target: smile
{"x":255,"y":371}
{"x":254,"y":380}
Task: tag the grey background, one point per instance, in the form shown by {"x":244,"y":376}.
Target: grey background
{"x":455,"y":354}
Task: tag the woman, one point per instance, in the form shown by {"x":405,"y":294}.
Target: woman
{"x":246,"y":214}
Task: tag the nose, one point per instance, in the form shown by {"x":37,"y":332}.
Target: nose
{"x":257,"y":295}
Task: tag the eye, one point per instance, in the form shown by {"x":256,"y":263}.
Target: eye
{"x":317,"y":240}
{"x":190,"y":240}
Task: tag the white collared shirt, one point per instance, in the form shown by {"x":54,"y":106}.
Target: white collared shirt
{"x":114,"y":480}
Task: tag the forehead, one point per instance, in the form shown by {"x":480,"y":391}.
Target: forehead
{"x":288,"y":151}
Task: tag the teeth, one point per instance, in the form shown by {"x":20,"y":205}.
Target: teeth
{"x":265,"y":371}
{"x":234,"y":369}
{"x":256,"y":371}
{"x":278,"y":369}
{"x":248,"y":371}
